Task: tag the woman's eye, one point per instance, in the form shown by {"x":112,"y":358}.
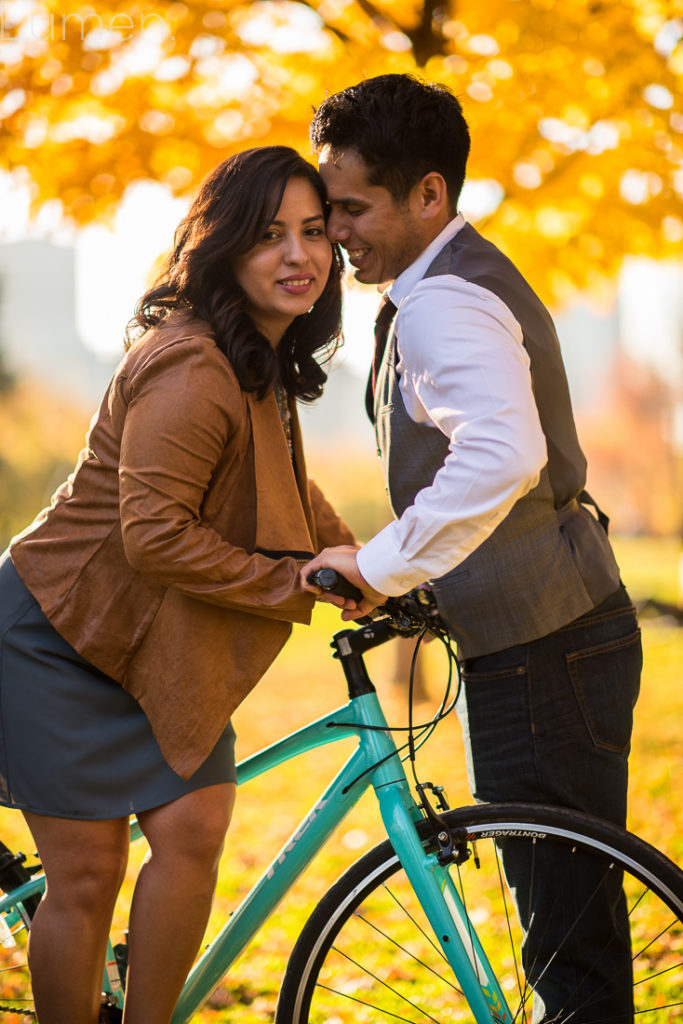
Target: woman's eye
{"x":314,"y":232}
{"x":271,"y":235}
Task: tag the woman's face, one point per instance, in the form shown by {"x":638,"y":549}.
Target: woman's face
{"x":286,"y":272}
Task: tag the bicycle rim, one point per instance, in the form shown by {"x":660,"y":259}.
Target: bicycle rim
{"x":367,"y":954}
{"x":16,"y":1000}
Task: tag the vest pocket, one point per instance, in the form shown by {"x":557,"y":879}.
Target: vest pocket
{"x":606,"y":682}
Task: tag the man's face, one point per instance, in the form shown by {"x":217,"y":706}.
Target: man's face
{"x":381,"y":235}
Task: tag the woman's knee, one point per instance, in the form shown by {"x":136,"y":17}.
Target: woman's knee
{"x":92,"y":882}
{"x":84,"y":862}
{"x":193,"y":827}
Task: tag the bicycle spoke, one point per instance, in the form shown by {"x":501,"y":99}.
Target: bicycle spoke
{"x":655,"y":939}
{"x":665,"y":1006}
{"x":522,"y":989}
{"x":658,"y":974}
{"x":384,"y":984}
{"x":417,"y":960}
{"x":361,"y":1002}
{"x":421,"y":930}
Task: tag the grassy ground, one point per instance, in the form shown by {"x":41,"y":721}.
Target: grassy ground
{"x":306,"y":683}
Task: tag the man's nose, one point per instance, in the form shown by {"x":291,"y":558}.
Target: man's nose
{"x":337,"y":228}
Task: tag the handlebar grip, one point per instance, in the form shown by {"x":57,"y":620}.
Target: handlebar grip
{"x":330,"y":581}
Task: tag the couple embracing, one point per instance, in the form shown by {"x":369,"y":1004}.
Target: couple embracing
{"x":163,"y":579}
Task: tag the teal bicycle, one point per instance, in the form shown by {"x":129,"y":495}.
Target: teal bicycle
{"x":423,"y":927}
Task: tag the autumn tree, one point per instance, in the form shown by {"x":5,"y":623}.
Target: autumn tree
{"x":575,"y":105}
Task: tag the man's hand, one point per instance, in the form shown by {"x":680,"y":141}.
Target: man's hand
{"x":343,"y":559}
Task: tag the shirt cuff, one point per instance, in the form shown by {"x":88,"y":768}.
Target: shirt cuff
{"x":383,"y":566}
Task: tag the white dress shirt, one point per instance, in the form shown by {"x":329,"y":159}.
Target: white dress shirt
{"x":464,"y":371}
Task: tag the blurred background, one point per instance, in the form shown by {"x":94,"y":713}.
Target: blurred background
{"x":110,"y":115}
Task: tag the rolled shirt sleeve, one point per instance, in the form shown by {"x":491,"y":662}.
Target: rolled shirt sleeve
{"x":464,"y":371}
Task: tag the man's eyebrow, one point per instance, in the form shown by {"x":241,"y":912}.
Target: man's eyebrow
{"x":347,"y":201}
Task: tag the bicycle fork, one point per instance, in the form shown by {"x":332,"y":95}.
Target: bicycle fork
{"x":443,"y":906}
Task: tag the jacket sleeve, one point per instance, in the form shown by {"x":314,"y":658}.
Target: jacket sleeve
{"x":330,"y":529}
{"x":184,"y":408}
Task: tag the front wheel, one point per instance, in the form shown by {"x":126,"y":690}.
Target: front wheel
{"x":602,"y":938}
{"x":16,"y":1000}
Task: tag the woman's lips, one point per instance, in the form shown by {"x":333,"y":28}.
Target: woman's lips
{"x":296,"y":285}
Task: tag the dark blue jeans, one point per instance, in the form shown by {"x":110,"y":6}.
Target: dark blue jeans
{"x":550,"y":722}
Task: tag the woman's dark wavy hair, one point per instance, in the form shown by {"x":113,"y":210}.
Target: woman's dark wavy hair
{"x":402,"y":127}
{"x":231,"y":212}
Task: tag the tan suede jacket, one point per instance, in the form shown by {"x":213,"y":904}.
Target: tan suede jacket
{"x":169,"y":558}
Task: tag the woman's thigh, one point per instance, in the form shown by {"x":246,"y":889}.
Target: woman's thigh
{"x":81,"y":857}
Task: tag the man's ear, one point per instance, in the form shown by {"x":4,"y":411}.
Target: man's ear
{"x":432,"y":196}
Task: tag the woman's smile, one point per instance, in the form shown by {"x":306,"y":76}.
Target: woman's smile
{"x":297,"y":285}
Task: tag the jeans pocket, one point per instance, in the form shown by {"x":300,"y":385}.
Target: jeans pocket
{"x":606,"y":681}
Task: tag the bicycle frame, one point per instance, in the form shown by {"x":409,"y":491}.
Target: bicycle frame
{"x":376,"y":763}
{"x":399,"y":812}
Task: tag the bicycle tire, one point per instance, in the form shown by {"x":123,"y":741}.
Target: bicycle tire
{"x":347,"y":967}
{"x":16,"y":1001}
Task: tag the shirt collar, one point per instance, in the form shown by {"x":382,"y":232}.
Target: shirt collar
{"x":406,"y":281}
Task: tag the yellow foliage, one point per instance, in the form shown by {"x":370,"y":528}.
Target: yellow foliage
{"x":40,"y":438}
{"x":38,"y":428}
{"x":575,"y":105}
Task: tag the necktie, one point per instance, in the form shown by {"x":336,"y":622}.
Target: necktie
{"x":385,"y":316}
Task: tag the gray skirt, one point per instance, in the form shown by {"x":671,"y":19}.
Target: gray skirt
{"x":73,"y":742}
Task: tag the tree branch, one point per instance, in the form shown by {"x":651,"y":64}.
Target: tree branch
{"x":427,"y":38}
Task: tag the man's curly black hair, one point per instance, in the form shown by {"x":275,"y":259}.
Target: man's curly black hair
{"x":402,"y":127}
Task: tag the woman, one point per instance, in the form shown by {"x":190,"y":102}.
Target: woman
{"x":140,"y":608}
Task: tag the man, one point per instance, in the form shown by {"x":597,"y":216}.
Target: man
{"x":486,"y":478}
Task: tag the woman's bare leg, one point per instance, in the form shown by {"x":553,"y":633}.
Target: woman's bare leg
{"x":173,"y":898}
{"x":84,"y":864}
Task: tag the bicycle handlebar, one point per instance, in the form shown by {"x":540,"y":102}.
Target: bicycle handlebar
{"x":406,"y":615}
{"x":331,"y":582}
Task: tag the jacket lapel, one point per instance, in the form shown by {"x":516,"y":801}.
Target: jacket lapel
{"x":282,"y":507}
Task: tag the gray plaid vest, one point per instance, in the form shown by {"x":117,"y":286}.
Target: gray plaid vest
{"x":549,"y":561}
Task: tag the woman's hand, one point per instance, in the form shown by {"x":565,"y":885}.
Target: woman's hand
{"x":343,"y":559}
